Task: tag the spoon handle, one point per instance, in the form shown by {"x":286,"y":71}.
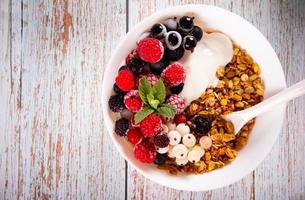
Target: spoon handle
{"x":283,"y":96}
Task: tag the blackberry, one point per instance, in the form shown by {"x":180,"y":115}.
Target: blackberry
{"x":174,"y":55}
{"x":158,"y":67}
{"x":160,"y":159}
{"x":117,"y":90}
{"x":136,"y":65}
{"x":176,"y":89}
{"x":121,"y":127}
{"x":116,"y":103}
{"x":161,"y":140}
{"x":201,"y":124}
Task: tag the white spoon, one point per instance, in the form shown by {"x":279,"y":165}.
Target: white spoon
{"x":240,"y":118}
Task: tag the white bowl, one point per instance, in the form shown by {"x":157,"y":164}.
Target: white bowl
{"x":267,"y":127}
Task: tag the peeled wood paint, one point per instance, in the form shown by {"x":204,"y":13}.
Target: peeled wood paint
{"x":54,"y":143}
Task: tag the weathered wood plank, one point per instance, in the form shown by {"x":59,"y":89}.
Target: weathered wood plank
{"x":64,"y":50}
{"x":282,"y":174}
{"x":141,"y":188}
{"x":10,"y":71}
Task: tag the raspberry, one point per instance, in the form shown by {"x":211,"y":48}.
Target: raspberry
{"x":116,"y":103}
{"x":180,"y":118}
{"x":134,"y":135}
{"x":125,"y":80}
{"x":145,"y":152}
{"x":152,"y":79}
{"x":121,"y":126}
{"x":150,"y":50}
{"x":151,"y":125}
{"x":174,"y":74}
{"x":161,"y":140}
{"x":133,"y":101}
{"x":177,"y":101}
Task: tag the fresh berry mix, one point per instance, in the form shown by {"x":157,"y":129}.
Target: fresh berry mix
{"x":133,"y":101}
{"x":154,"y":116}
{"x":145,"y":152}
{"x":147,"y":85}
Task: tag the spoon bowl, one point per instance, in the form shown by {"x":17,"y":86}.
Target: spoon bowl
{"x":240,"y":118}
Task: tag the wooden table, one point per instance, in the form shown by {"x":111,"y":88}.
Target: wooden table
{"x":53,"y":143}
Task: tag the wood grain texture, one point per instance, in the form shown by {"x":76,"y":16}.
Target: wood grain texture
{"x":54,"y":144}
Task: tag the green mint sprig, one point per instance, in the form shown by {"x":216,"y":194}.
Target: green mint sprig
{"x":153,"y":97}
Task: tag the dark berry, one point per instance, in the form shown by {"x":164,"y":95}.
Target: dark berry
{"x":160,"y":159}
{"x":177,"y":89}
{"x":186,"y":23}
{"x":116,"y":103}
{"x":121,"y":126}
{"x":201,"y":124}
{"x":158,"y":30}
{"x":117,"y":90}
{"x":158,"y":67}
{"x":173,"y":40}
{"x":123,"y":67}
{"x":174,"y":55}
{"x":136,"y":65}
{"x":171,"y":24}
{"x":189,"y":43}
{"x":197,"y":33}
{"x":161,"y":140}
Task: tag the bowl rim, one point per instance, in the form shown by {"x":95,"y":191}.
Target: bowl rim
{"x":107,"y":118}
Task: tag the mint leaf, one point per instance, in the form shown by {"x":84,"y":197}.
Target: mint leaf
{"x":139,"y":116}
{"x":159,"y":91}
{"x":166,"y":110}
{"x":144,"y":89}
{"x":151,"y":101}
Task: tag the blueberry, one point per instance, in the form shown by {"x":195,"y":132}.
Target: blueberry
{"x":177,"y":89}
{"x":158,"y":67}
{"x":174,"y":55}
{"x":197,"y":33}
{"x":173,"y":40}
{"x":189,"y":43}
{"x":171,"y":24}
{"x":160,"y":159}
{"x":201,"y":124}
{"x":158,"y":30}
{"x":186,"y":23}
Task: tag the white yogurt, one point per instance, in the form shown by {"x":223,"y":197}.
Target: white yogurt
{"x":212,"y":51}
